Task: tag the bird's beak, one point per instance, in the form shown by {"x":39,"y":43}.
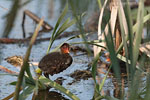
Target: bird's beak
{"x":108,"y":59}
{"x":66,"y":51}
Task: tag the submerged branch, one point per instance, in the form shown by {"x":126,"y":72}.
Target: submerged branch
{"x":13,"y":41}
{"x":2,"y":68}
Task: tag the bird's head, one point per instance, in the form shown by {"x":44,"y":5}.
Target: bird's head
{"x":65,"y":48}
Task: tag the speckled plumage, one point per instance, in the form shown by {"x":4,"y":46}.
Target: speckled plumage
{"x":55,"y":62}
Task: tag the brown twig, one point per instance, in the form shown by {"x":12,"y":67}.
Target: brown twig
{"x":45,"y":25}
{"x":7,"y":70}
{"x":12,"y":41}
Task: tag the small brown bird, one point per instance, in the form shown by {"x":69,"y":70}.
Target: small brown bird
{"x":56,"y":62}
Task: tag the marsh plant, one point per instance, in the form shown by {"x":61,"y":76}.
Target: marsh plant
{"x":131,"y":23}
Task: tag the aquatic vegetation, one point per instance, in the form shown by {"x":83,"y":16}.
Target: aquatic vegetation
{"x":119,"y":33}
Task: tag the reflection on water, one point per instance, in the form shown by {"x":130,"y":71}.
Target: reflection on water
{"x":40,"y":8}
{"x":48,"y":95}
{"x":50,"y":10}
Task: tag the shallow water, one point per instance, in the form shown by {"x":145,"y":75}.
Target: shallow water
{"x":39,"y":50}
{"x":84,"y":89}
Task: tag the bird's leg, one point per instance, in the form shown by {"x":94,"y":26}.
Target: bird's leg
{"x":46,"y":75}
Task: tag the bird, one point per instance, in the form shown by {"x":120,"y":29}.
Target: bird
{"x":56,"y":62}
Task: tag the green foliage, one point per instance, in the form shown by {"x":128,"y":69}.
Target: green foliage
{"x":26,"y":92}
{"x":48,"y":82}
{"x":98,"y":87}
{"x":25,"y":66}
{"x":130,"y":43}
{"x":79,"y":23}
{"x":58,"y":30}
{"x":30,"y":85}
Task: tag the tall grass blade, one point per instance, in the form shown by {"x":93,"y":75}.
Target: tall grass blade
{"x":103,"y":81}
{"x":137,"y":41}
{"x":94,"y":67}
{"x":60,"y":19}
{"x":25,"y":62}
{"x":123,"y":35}
{"x":11,"y":16}
{"x":56,"y":27}
{"x":98,"y":87}
{"x":145,"y":19}
{"x":57,"y":31}
{"x":139,"y":31}
{"x":147,"y":96}
{"x":94,"y":42}
{"x":79,"y":25}
{"x":26,"y":92}
{"x":99,"y":34}
{"x":113,"y":56}
{"x":94,"y":71}
{"x":65,"y":26}
{"x":62,"y":27}
{"x":99,"y":3}
{"x":130,"y":33}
